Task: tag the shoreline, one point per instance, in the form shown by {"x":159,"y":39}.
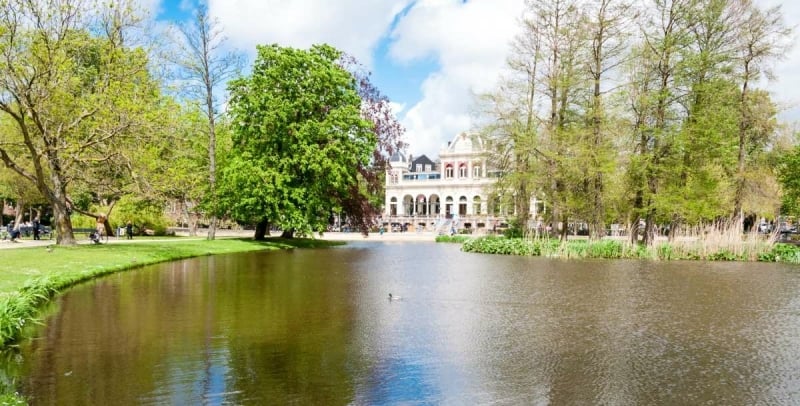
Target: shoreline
{"x":427,"y":236}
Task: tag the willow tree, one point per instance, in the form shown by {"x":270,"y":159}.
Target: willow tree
{"x":298,"y":139}
{"x":75,"y":91}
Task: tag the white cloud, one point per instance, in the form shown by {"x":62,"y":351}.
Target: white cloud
{"x":354,"y":26}
{"x":784,"y":87}
{"x":397,"y":108}
{"x":470,"y":43}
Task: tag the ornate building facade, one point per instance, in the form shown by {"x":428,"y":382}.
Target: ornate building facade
{"x":453,"y":192}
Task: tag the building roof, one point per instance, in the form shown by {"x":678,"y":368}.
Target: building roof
{"x":464,"y":143}
{"x":397,"y":157}
{"x":422,"y":160}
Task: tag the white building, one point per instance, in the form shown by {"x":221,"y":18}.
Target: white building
{"x":454,"y":191}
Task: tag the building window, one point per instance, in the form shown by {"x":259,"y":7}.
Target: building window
{"x":419,"y":167}
{"x":448,"y":171}
{"x":476,"y":205}
{"x":427,"y":167}
{"x":476,"y":171}
{"x":462,"y":206}
{"x":462,"y":171}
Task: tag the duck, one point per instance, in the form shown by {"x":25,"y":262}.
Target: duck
{"x":394,"y":297}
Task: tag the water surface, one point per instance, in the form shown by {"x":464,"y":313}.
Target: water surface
{"x":315,"y":326}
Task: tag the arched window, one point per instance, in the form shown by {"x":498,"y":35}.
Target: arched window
{"x":476,"y":205}
{"x":462,"y":206}
{"x":448,"y":171}
{"x":462,"y":170}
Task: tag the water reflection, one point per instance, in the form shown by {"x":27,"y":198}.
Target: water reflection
{"x":316,"y":327}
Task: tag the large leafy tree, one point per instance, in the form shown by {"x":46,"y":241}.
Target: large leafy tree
{"x":298,"y":138}
{"x":77,"y":94}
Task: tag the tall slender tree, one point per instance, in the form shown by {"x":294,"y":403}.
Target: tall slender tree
{"x":762,"y":39}
{"x":608,"y":22}
{"x":204,"y":66}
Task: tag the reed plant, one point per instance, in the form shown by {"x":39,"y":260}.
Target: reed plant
{"x":711,"y":243}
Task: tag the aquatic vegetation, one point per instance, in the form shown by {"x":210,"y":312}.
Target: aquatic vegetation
{"x":748,"y":249}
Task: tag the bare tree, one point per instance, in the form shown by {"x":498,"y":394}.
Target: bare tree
{"x":204,"y":65}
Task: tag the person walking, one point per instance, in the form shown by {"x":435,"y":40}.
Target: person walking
{"x":129,"y":230}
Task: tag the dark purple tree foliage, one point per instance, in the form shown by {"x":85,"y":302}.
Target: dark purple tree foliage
{"x":360,"y":211}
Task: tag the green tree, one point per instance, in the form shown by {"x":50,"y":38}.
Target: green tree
{"x":788,"y":170}
{"x":298,"y":139}
{"x":77,"y":94}
{"x":761,"y":39}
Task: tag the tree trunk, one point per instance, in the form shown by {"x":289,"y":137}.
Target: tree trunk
{"x":109,"y":230}
{"x":287,"y":233}
{"x":63,"y":224}
{"x":212,"y":228}
{"x":18,"y":213}
{"x":261,"y":230}
{"x":191,"y":219}
{"x":649,"y":228}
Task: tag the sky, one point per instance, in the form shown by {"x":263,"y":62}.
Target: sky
{"x":429,"y":57}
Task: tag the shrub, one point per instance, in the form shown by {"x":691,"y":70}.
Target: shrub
{"x":460,"y":239}
{"x":782,"y":253}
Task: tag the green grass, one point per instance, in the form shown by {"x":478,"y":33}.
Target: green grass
{"x":30,"y":277}
{"x":459,"y":239}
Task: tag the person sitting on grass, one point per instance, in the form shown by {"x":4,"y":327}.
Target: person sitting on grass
{"x":13,"y":232}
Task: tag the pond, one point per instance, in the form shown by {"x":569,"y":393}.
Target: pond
{"x":315,"y":326}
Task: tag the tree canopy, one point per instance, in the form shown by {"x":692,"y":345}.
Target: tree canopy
{"x":298,"y":138}
{"x":78,"y":98}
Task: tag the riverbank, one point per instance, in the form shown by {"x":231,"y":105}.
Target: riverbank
{"x":31,"y":276}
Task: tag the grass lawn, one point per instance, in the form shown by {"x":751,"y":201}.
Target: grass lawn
{"x":29,"y":277}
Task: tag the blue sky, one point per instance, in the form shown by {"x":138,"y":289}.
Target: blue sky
{"x":428,"y":56}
